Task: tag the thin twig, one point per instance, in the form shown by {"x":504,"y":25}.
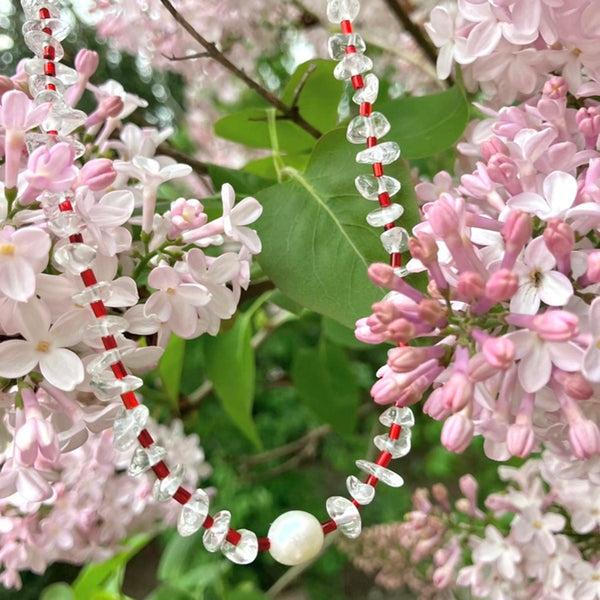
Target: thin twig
{"x":187,"y":57}
{"x":291,"y":113}
{"x":300,"y":87}
{"x":413,"y":29}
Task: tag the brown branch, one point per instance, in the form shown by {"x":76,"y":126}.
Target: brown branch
{"x":186,"y":57}
{"x":413,"y":29}
{"x":199,"y":167}
{"x":213,"y":52}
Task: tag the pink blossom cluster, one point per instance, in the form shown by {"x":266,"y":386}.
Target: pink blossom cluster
{"x":153,"y":273}
{"x":508,"y":47}
{"x":509,"y":322}
{"x":94,"y":505}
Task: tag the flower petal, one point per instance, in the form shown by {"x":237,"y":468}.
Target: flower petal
{"x":526,"y":301}
{"x":556,"y":289}
{"x":560,"y":190}
{"x":17,"y":278}
{"x":62,"y":368}
{"x":535,"y":368}
{"x":17,"y":358}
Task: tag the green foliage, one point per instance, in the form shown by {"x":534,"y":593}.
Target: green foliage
{"x":170,"y":368}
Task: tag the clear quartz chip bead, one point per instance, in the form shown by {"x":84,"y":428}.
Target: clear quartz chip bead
{"x":93,"y":293}
{"x":144,"y":459}
{"x":214,"y":537}
{"x":340,"y":41}
{"x":397,"y":448}
{"x":396,"y":415}
{"x":63,"y":118}
{"x":346,"y":516}
{"x":31,"y":8}
{"x":394,"y":240}
{"x":384,"y":153}
{"x":102,"y":362}
{"x":35,"y":66}
{"x":384,"y":215}
{"x":37,"y":41}
{"x":108,"y":325}
{"x":384,"y":475}
{"x":370,"y":187}
{"x":164,"y":489}
{"x":46,"y":97}
{"x":363,"y":493}
{"x":127,"y":426}
{"x":193,"y":513}
{"x":107,"y":386}
{"x":63,"y":224}
{"x":369,"y":91}
{"x":75,"y":258}
{"x":361,"y":128}
{"x":342,"y":10}
{"x":352,"y":64}
{"x":245,"y":551}
{"x":60,"y":29}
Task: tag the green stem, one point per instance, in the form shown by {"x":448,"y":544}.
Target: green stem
{"x":274,"y":140}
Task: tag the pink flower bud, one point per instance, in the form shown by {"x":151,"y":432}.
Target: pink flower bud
{"x":556,"y":325}
{"x":384,"y":311}
{"x":493,"y":146}
{"x":469,"y":487}
{"x":423,"y":248}
{"x":593,"y":270}
{"x":444,"y":219}
{"x":401,"y":331}
{"x":517,"y":230}
{"x":440,"y":494}
{"x":555,"y":88}
{"x":86,"y":62}
{"x":520,"y":440}
{"x":110,"y":106}
{"x":6,"y":85}
{"x":406,"y":358}
{"x":502,"y":285}
{"x":470,"y":286}
{"x":499,"y":352}
{"x":503,"y":169}
{"x":457,"y":392}
{"x":385,"y":391}
{"x":588,"y":121}
{"x":363,"y":333}
{"x":585,"y":438}
{"x":559,"y":238}
{"x":431,"y":312}
{"x":457,"y":433}
{"x":480,"y":369}
{"x":434,"y":406}
{"x":381,"y":274}
{"x":97,"y":174}
{"x":577,"y":386}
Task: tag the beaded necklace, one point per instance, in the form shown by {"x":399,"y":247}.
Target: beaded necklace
{"x":295,"y":536}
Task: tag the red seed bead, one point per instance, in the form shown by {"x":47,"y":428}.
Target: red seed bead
{"x":47,"y":30}
{"x":350,"y":49}
{"x":145,"y":439}
{"x":119,"y":370}
{"x":371,"y":141}
{"x":328,"y":526}
{"x":44,"y":13}
{"x":233,"y":537}
{"x":372,"y":480}
{"x":98,"y":308}
{"x":49,"y":53}
{"x":378,"y":169}
{"x":357,"y":81}
{"x":396,"y":261}
{"x":161,"y":470}
{"x":65,"y":206}
{"x":384,"y":459}
{"x":76,"y":238}
{"x":388,"y":226}
{"x":264,"y":544}
{"x":395,"y":431}
{"x":129,"y":400}
{"x":208,"y":522}
{"x":355,"y":502}
{"x":346,"y":27}
{"x":366,"y":108}
{"x":109,"y":343}
{"x":182,"y":495}
{"x":51,"y":86}
{"x":384,"y":199}
{"x":88,"y":277}
{"x":50,"y":69}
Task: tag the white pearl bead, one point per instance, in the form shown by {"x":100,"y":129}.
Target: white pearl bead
{"x":296,"y":537}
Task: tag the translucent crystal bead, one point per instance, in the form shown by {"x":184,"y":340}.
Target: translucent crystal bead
{"x":385,"y":154}
{"x":361,"y":492}
{"x":75,"y":258}
{"x":107,"y":386}
{"x":384,"y":215}
{"x":401,"y":272}
{"x":164,"y":489}
{"x":38,"y":40}
{"x":108,"y":325}
{"x":384,"y":475}
{"x":63,"y":118}
{"x":93,"y":293}
{"x":369,"y":91}
{"x":396,"y":415}
{"x":245,"y":551}
{"x":101,"y":363}
{"x":394,"y":240}
{"x":63,"y":224}
{"x":31,"y":8}
{"x":346,"y":516}
{"x":127,"y":426}
{"x":370,"y":187}
{"x":59,"y":29}
{"x":352,"y":64}
{"x":34,"y":140}
{"x":35,"y":66}
{"x":342,"y":10}
{"x":214,"y":537}
{"x":193,"y":513}
{"x":45,"y":96}
{"x":78,"y":147}
{"x":340,"y":41}
{"x":361,"y":128}
{"x":397,"y":448}
{"x":145,"y":458}
{"x":51,"y":200}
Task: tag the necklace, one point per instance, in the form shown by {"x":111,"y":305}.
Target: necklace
{"x":296,"y":536}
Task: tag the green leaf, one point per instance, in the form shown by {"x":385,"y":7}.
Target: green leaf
{"x":58,"y":591}
{"x":316,"y":243}
{"x":342,"y":336}
{"x":266,"y":169}
{"x":244,"y":183}
{"x":324,"y":380}
{"x":170,"y":368}
{"x":319,"y":95}
{"x":249,"y":127}
{"x":426,"y":125}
